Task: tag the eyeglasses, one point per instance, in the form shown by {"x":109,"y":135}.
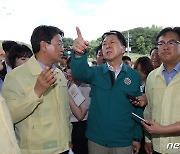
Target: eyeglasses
{"x":170,"y":43}
{"x":60,"y":44}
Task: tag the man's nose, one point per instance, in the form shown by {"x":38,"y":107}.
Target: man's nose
{"x":107,"y":46}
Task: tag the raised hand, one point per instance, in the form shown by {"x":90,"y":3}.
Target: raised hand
{"x":44,"y":81}
{"x":79,"y":44}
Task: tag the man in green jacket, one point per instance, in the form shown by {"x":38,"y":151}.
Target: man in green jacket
{"x":36,"y":94}
{"x":111,"y":128}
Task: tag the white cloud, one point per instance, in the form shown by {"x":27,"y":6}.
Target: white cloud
{"x":18,"y":18}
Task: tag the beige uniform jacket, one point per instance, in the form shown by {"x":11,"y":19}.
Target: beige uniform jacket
{"x":164,"y":108}
{"x":43,"y":125}
{"x":8,"y":142}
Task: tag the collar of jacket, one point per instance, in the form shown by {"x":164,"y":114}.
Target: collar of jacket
{"x":106,"y":69}
{"x":35,"y":67}
{"x":159,"y":70}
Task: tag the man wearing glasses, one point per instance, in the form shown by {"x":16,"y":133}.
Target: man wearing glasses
{"x":37,"y":97}
{"x":110,"y":126}
{"x":162,"y":92}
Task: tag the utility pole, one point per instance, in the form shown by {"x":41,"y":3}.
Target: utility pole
{"x":128,"y":44}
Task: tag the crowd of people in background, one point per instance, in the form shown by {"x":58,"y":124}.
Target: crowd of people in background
{"x":58,"y":103}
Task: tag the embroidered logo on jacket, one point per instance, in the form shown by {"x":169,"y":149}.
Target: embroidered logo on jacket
{"x":127,"y":81}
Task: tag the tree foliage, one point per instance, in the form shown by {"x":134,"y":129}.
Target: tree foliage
{"x":68,"y":42}
{"x":140,"y":44}
{"x":142,"y":40}
{"x":92,"y":47}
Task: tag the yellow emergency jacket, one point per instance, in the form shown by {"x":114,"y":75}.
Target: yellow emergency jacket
{"x":41,"y":124}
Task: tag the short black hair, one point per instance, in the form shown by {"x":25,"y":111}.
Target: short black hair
{"x":152,"y":50}
{"x":126,"y":58}
{"x":18,"y":51}
{"x":99,"y":47}
{"x":7,"y":45}
{"x":119,"y":35}
{"x":146,"y":64}
{"x":43,"y":33}
{"x":168,"y":29}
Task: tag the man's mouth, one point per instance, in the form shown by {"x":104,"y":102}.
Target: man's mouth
{"x":108,"y":52}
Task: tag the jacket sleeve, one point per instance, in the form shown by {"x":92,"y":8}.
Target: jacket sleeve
{"x":139,"y":111}
{"x":21,"y":100}
{"x":80,"y":69}
{"x":138,"y":126}
{"x":147,"y":115}
{"x":147,"y":111}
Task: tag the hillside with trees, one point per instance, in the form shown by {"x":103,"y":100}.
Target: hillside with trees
{"x":141,"y":40}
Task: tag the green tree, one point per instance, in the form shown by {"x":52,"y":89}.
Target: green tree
{"x":149,"y":34}
{"x":68,"y":42}
{"x":141,"y":45}
{"x":92,"y":47}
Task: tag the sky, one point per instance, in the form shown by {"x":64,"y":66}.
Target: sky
{"x":18,"y":18}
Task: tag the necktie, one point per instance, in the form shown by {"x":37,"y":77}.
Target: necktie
{"x":112,"y":77}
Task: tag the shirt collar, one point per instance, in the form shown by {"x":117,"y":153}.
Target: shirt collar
{"x":43,"y":66}
{"x":8,"y":68}
{"x":1,"y":83}
{"x":176,"y":68}
{"x":118,"y":69}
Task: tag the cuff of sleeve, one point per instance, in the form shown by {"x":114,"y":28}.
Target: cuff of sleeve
{"x":137,"y":140}
{"x":33,"y":96}
{"x":147,"y":139}
{"x":78,"y":55}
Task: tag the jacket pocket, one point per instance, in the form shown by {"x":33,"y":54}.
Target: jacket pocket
{"x":42,"y":132}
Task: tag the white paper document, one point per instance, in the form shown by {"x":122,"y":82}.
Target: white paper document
{"x":76,"y":94}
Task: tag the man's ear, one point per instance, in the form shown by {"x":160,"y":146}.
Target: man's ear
{"x":123,"y":49}
{"x":43,"y":45}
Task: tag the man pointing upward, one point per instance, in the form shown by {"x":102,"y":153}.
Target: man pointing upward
{"x":110,"y":128}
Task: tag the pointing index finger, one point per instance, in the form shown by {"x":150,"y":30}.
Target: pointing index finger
{"x":78,"y":32}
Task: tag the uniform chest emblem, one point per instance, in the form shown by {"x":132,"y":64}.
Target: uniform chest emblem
{"x":127,"y":81}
